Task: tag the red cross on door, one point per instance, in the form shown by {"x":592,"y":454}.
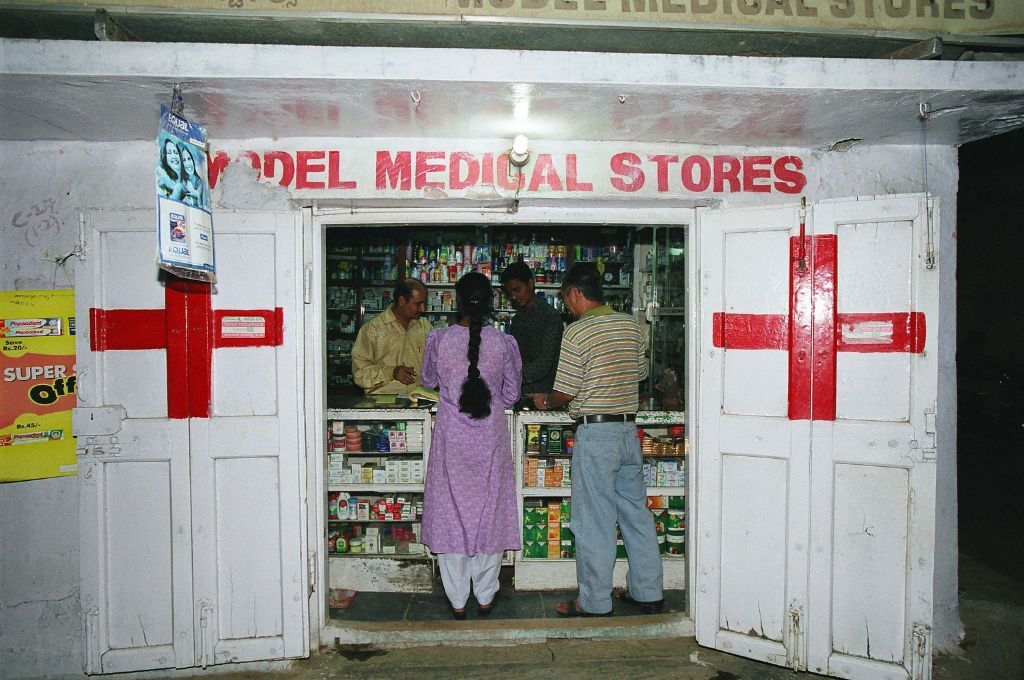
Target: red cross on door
{"x":189,"y":329}
{"x":814,"y":330}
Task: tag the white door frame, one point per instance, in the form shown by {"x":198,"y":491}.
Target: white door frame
{"x":316,"y":220}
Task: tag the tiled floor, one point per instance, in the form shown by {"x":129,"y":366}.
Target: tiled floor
{"x":509,"y":604}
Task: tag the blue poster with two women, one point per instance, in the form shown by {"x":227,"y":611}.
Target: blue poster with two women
{"x":185,"y":220}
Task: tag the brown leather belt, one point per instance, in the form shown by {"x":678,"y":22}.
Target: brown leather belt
{"x":606,"y":418}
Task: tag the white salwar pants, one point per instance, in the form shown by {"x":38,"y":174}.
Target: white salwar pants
{"x":458,"y":570}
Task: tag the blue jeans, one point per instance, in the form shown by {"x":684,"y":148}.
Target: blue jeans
{"x":608,"y":487}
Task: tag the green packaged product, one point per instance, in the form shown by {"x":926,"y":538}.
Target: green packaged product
{"x":674,"y":519}
{"x":538,"y":516}
{"x":677,"y":502}
{"x":535,"y":532}
{"x":535,"y":549}
{"x":566,"y":514}
{"x":554,"y":439}
{"x":568,"y":549}
{"x":659,"y":521}
{"x":566,"y":533}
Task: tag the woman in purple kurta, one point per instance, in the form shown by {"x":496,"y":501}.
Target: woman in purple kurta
{"x":469,"y":502}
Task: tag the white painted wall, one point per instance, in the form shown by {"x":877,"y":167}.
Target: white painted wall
{"x":39,"y":610}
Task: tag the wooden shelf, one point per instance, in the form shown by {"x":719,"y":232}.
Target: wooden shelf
{"x":367,"y":489}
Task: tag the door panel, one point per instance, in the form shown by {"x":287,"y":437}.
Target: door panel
{"x":250,"y":563}
{"x":135,"y":515}
{"x":869,"y":561}
{"x":192,"y":542}
{"x":755,"y":525}
{"x":873,"y":478}
{"x":752,"y":518}
{"x":873,"y":387}
{"x":824,"y":515}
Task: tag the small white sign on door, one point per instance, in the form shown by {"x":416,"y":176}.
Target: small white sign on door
{"x":243,"y":327}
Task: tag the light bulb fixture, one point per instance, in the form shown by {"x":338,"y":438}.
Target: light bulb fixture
{"x":519,"y":154}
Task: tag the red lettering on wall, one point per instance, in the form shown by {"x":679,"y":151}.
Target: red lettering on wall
{"x":628,"y":165}
{"x":455,"y":163}
{"x":216,"y":164}
{"x":334,"y":180}
{"x":397,"y":171}
{"x":254,"y":162}
{"x":321,"y":170}
{"x":703,"y":179}
{"x":787,"y":172}
{"x":753,"y":169}
{"x":727,"y":168}
{"x":424,"y":166}
{"x":271,"y":158}
{"x":662,"y":161}
{"x":304,"y":166}
{"x":504,"y":181}
{"x":544,"y":172}
{"x":572,"y":182}
{"x":487,"y":167}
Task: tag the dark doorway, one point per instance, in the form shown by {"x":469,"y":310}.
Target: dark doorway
{"x":990,"y":352}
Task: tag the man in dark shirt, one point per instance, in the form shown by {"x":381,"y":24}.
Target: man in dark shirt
{"x":537,"y":328}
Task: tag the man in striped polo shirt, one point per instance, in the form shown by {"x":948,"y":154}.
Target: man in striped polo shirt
{"x":599,"y":368}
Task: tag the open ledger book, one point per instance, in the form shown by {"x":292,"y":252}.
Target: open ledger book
{"x":422,"y":393}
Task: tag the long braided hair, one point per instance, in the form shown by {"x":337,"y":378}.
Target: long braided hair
{"x":475,"y":301}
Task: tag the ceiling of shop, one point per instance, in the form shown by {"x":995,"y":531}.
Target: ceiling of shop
{"x":110,"y":90}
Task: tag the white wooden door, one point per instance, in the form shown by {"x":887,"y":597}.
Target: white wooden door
{"x":752,"y":458}
{"x":873,"y":468}
{"x":855,"y":546}
{"x":192,"y":543}
{"x":247,"y":458}
{"x":135,"y":509}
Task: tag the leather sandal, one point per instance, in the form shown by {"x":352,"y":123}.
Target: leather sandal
{"x":457,"y":614}
{"x":485,"y":609}
{"x":571,"y":608}
{"x":652,"y":607}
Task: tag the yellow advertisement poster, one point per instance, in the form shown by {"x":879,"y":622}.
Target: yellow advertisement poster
{"x":37,"y":393}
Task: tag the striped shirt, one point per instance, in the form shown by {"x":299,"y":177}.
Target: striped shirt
{"x":601,"y":362}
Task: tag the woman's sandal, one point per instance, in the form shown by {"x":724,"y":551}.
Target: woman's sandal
{"x":571,"y":608}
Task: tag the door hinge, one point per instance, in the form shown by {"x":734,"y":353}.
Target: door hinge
{"x":92,"y":661}
{"x":920,"y":652}
{"x":930,"y":261}
{"x":205,"y":646}
{"x":312,"y":561}
{"x":307,"y":285}
{"x":928,"y":450}
{"x":795,"y":640}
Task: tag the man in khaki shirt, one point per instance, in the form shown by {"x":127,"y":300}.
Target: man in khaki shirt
{"x":388,"y":352}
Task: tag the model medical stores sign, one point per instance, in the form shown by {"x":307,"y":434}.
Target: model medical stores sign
{"x":440,"y":173}
{"x":927,"y":16}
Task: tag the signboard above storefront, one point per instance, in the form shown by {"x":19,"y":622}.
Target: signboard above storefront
{"x":954,"y":17}
{"x":313,"y":169}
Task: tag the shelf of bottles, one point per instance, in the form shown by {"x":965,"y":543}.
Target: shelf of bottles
{"x":363,"y":264}
{"x":375,"y":471}
{"x":440,"y":261}
{"x":360,"y":272}
{"x":661,"y":292}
